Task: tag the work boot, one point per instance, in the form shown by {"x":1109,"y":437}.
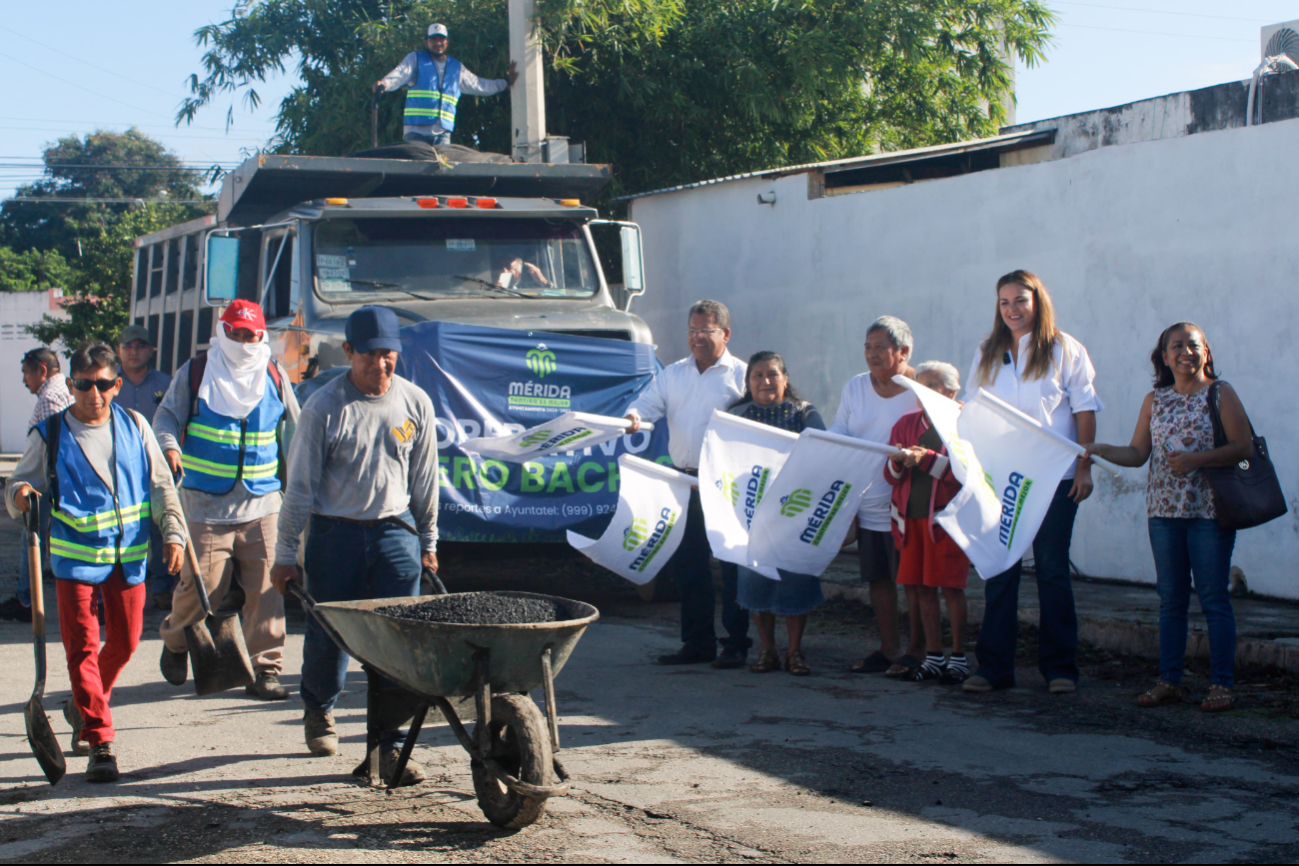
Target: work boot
{"x":413,"y":775}
{"x":174,"y":666}
{"x":102,"y":766}
{"x":15,"y":610}
{"x":73,"y":717}
{"x":730,"y":658}
{"x":322,"y":736}
{"x":162,"y":601}
{"x":267,"y":687}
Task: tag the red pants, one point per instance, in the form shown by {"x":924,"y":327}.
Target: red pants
{"x":925,"y":562}
{"x":94,"y":670}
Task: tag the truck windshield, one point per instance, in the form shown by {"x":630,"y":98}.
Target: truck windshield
{"x":361,"y":259}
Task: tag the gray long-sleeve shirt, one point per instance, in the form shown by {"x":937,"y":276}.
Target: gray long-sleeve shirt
{"x":96,"y":442}
{"x":237,"y":506}
{"x":362,"y":458}
{"x":406,"y":71}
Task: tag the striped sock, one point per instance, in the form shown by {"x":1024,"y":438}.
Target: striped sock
{"x":933,"y":663}
{"x":957,"y":662}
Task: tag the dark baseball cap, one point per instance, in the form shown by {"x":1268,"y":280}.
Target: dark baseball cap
{"x":131,"y":333}
{"x":371,"y":328}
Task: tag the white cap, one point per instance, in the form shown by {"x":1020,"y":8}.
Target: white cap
{"x":436,"y":30}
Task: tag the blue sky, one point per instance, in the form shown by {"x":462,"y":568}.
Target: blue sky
{"x":80,"y":66}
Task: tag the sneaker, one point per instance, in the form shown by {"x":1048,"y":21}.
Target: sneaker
{"x":15,"y":610}
{"x":267,"y":687}
{"x":102,"y":766}
{"x":174,"y":666}
{"x":730,"y":658}
{"x":321,"y":735}
{"x":954,"y":676}
{"x":413,"y":774}
{"x":162,"y":601}
{"x":1061,"y":686}
{"x":976,"y":684}
{"x":73,"y":717}
{"x":926,"y":673}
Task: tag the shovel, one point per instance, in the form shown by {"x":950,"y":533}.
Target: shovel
{"x":39,"y":733}
{"x":216,"y":643}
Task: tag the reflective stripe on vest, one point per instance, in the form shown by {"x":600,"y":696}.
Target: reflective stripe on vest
{"x":220,"y":451}
{"x":95,"y":528}
{"x":433,"y":98}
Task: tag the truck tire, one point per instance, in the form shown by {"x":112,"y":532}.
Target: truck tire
{"x":520,"y":743}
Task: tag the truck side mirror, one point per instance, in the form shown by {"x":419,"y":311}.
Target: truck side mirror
{"x":633,"y":259}
{"x":221,"y":275}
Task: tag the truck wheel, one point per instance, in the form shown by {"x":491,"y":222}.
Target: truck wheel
{"x":520,"y":743}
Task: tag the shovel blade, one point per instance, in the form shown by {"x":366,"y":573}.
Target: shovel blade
{"x":217,"y":655}
{"x":43,"y":742}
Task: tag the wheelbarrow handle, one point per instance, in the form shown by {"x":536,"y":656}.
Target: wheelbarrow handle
{"x":432,"y":577}
{"x":309,"y":605}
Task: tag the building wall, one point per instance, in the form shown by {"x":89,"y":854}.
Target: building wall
{"x":1129,"y":239}
{"x":16,"y":402}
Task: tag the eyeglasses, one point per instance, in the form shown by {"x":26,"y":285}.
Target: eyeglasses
{"x":86,"y":384}
{"x":703,"y":332}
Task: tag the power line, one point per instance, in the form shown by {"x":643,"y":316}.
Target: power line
{"x":87,"y":62}
{"x":78,"y":86}
{"x":194,"y":167}
{"x":114,"y":123}
{"x":1159,"y":33}
{"x":30,"y":200}
{"x":1258,"y":21}
{"x":173,"y":134}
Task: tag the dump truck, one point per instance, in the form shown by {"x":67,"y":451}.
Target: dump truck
{"x":311,"y":238}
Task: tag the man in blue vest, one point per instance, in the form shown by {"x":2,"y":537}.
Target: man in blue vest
{"x":436,"y":84}
{"x":225,"y":424}
{"x":106,"y":479}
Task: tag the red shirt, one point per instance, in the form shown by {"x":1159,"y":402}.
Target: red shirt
{"x":906,"y":434}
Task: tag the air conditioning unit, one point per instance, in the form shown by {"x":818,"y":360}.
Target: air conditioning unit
{"x":1279,"y":39}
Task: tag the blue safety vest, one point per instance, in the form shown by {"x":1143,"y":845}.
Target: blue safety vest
{"x":434,"y":97}
{"x":219,"y":451}
{"x":94,"y":528}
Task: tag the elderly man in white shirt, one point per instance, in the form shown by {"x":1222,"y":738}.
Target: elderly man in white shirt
{"x":686,"y":393}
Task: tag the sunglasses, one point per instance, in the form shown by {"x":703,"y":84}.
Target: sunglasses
{"x":86,"y":384}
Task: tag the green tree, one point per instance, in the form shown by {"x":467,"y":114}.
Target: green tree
{"x":33,"y":271}
{"x":91,"y":167}
{"x":99,"y":301}
{"x":666,"y":91}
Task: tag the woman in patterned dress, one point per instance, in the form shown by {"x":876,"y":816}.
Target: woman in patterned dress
{"x":1175,"y":432}
{"x":770,"y":399}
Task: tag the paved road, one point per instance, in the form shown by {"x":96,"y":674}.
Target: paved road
{"x":680,"y":765}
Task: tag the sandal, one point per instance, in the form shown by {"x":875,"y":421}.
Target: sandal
{"x":875,"y":663}
{"x":767,"y":662}
{"x":1162,"y":693}
{"x":903,"y":667}
{"x":1220,"y":699}
{"x":796,"y":665}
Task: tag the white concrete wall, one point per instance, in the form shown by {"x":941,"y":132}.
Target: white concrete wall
{"x":1128,"y":239}
{"x":16,"y":402}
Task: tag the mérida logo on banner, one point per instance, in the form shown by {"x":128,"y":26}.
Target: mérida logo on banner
{"x":824,"y":513}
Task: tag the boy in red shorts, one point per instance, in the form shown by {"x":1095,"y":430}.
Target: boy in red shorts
{"x":928,"y":559}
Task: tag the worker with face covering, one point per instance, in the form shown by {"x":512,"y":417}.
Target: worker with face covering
{"x":224,"y":426}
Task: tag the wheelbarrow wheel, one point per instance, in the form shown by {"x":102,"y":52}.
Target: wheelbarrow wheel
{"x":520,"y":744}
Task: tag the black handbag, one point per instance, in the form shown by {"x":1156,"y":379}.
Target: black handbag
{"x":1248,"y":493}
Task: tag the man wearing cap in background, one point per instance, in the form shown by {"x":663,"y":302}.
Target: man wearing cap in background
{"x":224,"y":425}
{"x":363,"y":470}
{"x":142,"y":390}
{"x":436,"y":85}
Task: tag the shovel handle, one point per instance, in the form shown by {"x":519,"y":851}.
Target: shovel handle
{"x":200,"y":585}
{"x":33,"y":520}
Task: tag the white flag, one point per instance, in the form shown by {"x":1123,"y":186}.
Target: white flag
{"x":648,"y":525}
{"x":571,"y":431}
{"x":740,"y":458}
{"x":999,"y":509}
{"x":944,"y":413}
{"x":805,"y":514}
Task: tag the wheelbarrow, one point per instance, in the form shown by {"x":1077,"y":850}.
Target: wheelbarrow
{"x":513,"y":749}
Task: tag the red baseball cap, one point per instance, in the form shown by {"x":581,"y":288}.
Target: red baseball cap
{"x":244,"y":314}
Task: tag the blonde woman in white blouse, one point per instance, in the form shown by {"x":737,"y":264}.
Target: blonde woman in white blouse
{"x":1042,"y":371}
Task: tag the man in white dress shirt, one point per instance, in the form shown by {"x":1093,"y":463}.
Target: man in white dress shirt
{"x":686,"y":393}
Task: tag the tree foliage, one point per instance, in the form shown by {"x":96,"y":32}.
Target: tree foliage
{"x":79,"y":168}
{"x":666,"y":91}
{"x":33,"y":270}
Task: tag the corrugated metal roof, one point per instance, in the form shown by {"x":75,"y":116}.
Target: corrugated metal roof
{"x":891,"y":157}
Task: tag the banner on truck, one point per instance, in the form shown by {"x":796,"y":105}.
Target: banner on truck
{"x":647,"y":527}
{"x":492,"y":382}
{"x":805,"y":515}
{"x":739,"y":461}
{"x":571,"y":431}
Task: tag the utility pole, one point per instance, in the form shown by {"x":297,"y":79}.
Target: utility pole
{"x":527,"y":97}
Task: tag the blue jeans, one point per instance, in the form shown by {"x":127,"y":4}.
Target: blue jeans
{"x":23,"y":592}
{"x":350,"y":562}
{"x":439,"y":138}
{"x":1185,"y":546}
{"x":691,"y":567}
{"x":1058,"y":630}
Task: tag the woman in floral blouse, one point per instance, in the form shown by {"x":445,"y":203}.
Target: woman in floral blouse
{"x":1175,"y":432}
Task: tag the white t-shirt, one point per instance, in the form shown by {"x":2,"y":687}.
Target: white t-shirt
{"x":864,"y":414}
{"x":1069,"y":388}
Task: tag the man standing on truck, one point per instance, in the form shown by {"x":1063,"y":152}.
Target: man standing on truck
{"x":686,"y":393}
{"x":225,"y":425}
{"x":436,"y":85}
{"x":142,"y":389}
{"x":363,"y":470}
